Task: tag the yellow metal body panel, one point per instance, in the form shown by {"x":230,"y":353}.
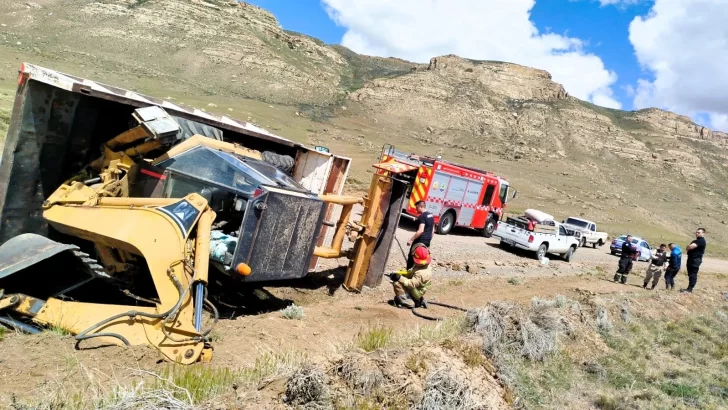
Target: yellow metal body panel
{"x":136,"y":226}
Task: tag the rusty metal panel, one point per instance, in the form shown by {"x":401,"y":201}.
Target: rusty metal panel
{"x":278,"y":234}
{"x":95,"y":89}
{"x":393,"y":203}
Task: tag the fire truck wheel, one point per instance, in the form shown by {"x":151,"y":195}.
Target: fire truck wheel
{"x":489,"y":227}
{"x":446,"y":223}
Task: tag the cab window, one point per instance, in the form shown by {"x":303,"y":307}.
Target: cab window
{"x":503,"y":194}
{"x":593,"y":228}
{"x":488,"y":197}
{"x":562,"y":231}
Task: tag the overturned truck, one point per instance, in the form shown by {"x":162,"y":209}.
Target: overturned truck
{"x":126,"y":217}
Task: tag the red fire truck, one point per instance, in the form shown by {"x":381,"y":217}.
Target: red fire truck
{"x":456,"y":194}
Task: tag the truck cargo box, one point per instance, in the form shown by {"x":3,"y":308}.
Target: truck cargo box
{"x":60,"y":121}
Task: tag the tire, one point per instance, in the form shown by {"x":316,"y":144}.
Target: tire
{"x":489,"y":227}
{"x":542,"y":250}
{"x":613,"y":252}
{"x":598,"y":243}
{"x":188,"y":128}
{"x":569,"y":254}
{"x":583,"y":242}
{"x":283,"y":162}
{"x":447,"y":222}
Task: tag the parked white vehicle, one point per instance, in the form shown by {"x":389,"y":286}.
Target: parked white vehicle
{"x":588,"y":230}
{"x":550,"y":237}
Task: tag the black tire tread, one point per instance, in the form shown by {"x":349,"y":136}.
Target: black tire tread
{"x":283,"y":162}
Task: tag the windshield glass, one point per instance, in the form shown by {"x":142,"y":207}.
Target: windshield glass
{"x":577,"y":222}
{"x":624,"y":238}
{"x":272,"y":173}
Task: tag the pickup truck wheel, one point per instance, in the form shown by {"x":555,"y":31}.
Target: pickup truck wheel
{"x":569,"y":254}
{"x":489,"y":227}
{"x":446,"y":223}
{"x":583,"y":242}
{"x":541,"y":252}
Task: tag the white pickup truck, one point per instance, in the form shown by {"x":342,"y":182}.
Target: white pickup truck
{"x":588,"y":230}
{"x":550,"y":237}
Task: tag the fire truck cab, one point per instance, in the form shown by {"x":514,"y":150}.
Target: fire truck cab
{"x":456,"y":194}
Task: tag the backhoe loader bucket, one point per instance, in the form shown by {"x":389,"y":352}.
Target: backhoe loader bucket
{"x":38,"y":266}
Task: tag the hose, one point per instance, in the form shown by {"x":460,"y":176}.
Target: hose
{"x":417,"y":310}
{"x":133,"y":313}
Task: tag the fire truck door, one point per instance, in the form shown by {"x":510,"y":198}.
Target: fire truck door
{"x":455,"y":193}
{"x":436,"y":197}
{"x":470,"y":201}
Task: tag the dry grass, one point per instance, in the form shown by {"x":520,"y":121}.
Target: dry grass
{"x":373,"y":338}
{"x":444,"y":390}
{"x":308,"y":386}
{"x":361,"y":374}
{"x":196,"y":383}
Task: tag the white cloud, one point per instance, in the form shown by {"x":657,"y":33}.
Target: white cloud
{"x":479,"y":29}
{"x":618,"y":2}
{"x":682,"y":44}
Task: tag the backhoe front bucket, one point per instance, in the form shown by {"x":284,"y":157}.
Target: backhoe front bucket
{"x":35,"y":265}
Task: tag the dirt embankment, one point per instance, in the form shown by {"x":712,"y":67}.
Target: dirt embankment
{"x":470,"y":271}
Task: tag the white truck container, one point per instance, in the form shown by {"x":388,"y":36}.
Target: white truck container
{"x":552,"y":238}
{"x":588,"y":230}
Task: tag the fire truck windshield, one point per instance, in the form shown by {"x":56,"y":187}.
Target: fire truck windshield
{"x":503,"y":194}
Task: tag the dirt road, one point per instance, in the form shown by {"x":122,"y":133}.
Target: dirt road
{"x":333,"y":317}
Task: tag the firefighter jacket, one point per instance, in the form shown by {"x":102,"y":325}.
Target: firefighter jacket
{"x":417,"y":280}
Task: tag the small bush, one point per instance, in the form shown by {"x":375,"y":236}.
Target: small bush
{"x":514,"y":281}
{"x":361,"y":374}
{"x":308,"y":384}
{"x":443,"y":390}
{"x":377,"y":337}
{"x":2,"y":332}
{"x":293,"y":312}
{"x":604,"y":325}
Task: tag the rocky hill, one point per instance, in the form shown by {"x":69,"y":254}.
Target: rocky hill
{"x":650,"y":171}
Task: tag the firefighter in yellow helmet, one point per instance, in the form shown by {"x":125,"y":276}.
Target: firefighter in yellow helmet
{"x":413,"y":283}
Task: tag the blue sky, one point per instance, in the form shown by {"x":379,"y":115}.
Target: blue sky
{"x":592,"y":51}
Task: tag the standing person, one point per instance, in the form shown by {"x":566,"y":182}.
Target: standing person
{"x":655,"y":270}
{"x":696,"y":250}
{"x":625,"y":261}
{"x":413,"y":283}
{"x":425,"y":229}
{"x":673,"y":265}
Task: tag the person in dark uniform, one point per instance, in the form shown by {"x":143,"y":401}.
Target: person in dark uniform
{"x":425,"y":229}
{"x":625,"y":261}
{"x":674,"y":262}
{"x":696,"y":250}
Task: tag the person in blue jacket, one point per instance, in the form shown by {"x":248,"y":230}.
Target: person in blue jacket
{"x":674,"y":262}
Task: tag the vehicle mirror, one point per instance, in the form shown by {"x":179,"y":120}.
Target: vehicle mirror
{"x":515,"y":194}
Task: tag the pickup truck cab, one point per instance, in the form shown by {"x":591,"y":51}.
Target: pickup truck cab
{"x":549,"y":237}
{"x":588,"y":230}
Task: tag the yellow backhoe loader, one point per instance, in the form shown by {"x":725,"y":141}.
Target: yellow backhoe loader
{"x":160,"y":220}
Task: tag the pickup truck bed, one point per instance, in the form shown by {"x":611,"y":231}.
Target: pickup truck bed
{"x":553,"y":239}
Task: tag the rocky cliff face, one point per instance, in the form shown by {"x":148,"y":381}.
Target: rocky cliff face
{"x":559,"y":150}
